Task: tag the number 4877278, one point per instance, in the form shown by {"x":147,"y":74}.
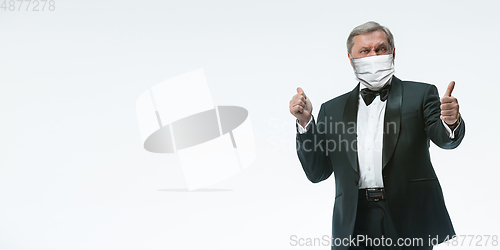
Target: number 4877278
{"x":28,"y":5}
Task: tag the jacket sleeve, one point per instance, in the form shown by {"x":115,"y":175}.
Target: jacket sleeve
{"x":434,"y":127}
{"x":311,"y":150}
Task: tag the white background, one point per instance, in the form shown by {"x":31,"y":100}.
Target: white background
{"x":74,"y":175}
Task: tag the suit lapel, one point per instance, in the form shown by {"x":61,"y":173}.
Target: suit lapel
{"x":349,"y":118}
{"x":392,"y":120}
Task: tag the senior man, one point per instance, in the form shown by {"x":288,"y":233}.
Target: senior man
{"x":375,"y":139}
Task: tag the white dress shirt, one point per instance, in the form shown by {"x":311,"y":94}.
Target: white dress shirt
{"x":370,"y":130}
{"x":370,"y":127}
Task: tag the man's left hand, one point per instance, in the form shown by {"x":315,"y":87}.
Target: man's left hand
{"x":449,"y":107}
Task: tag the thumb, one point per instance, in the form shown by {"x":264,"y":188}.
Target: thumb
{"x":451,"y":86}
{"x":299,"y":90}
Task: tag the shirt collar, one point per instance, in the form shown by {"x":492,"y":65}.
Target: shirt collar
{"x":361,"y":86}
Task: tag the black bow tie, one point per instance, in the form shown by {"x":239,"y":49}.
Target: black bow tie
{"x":369,"y":95}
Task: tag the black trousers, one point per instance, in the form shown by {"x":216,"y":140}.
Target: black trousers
{"x":375,"y":229}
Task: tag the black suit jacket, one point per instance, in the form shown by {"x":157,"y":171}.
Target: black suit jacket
{"x":413,"y":192}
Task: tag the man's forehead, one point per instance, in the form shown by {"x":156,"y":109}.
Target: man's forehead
{"x":381,"y":43}
{"x":375,"y":38}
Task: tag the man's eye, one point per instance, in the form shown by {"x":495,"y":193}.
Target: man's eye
{"x":364,"y":51}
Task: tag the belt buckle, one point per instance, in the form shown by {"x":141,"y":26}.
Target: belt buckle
{"x":373,"y":192}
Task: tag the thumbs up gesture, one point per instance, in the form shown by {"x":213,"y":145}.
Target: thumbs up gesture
{"x":449,"y":107}
{"x":301,"y":107}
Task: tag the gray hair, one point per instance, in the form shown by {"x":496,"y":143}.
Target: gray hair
{"x":366,"y":28}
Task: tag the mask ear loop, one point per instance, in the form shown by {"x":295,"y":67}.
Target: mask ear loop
{"x":350,"y":60}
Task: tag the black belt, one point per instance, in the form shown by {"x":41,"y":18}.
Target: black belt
{"x":372,"y":194}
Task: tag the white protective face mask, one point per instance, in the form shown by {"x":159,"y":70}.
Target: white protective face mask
{"x":374,"y":71}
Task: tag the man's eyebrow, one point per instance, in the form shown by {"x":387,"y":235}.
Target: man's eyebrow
{"x":378,"y":46}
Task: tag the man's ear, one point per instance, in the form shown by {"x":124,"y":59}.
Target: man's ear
{"x":393,"y":54}
{"x":350,"y":59}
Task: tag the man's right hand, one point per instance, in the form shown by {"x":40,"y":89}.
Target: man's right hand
{"x":301,"y":107}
